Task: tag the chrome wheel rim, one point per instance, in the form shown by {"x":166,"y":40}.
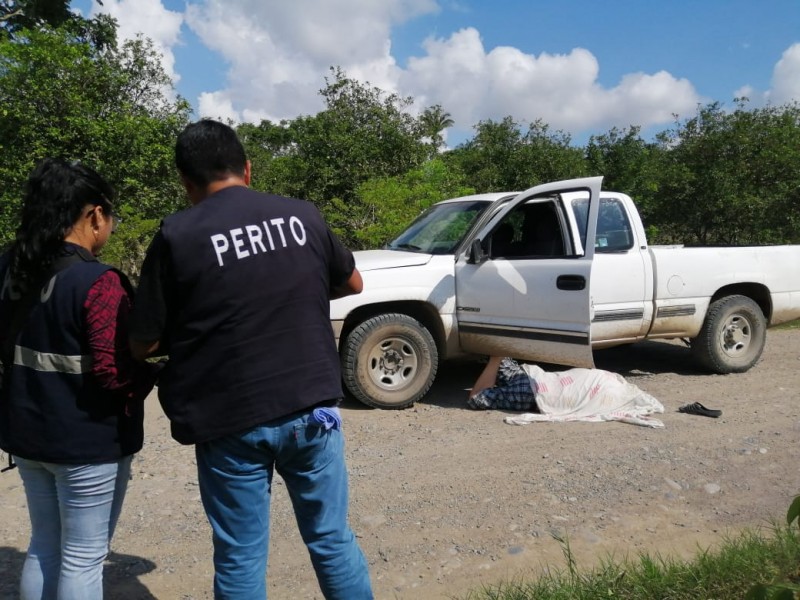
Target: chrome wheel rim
{"x":736,"y":336}
{"x":393,"y":363}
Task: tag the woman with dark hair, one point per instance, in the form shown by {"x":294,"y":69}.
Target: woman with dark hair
{"x":71,"y":399}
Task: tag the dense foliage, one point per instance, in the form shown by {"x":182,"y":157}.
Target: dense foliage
{"x":362,"y":134}
{"x":716,"y":178}
{"x":730,"y":177}
{"x":368,"y":160}
{"x":16,"y":15}
{"x":503,"y":157}
{"x":112,"y":107}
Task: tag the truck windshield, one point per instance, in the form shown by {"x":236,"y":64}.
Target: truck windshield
{"x":440,"y":229}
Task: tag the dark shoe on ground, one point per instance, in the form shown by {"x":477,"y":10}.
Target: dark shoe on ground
{"x":698,"y":409}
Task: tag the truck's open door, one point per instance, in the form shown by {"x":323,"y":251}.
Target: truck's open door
{"x":522,"y":285}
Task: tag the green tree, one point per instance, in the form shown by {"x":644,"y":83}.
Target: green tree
{"x":731,"y":178}
{"x":362,"y":133}
{"x":386,"y":205}
{"x":274,"y":156}
{"x":18,"y":15}
{"x":264,"y":142}
{"x":489,"y":158}
{"x":503,"y":157}
{"x":63,"y":95}
{"x":628,"y":164}
{"x":549,"y":156}
{"x":434,"y":121}
{"x":21,"y":14}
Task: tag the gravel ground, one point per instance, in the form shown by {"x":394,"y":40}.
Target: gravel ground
{"x":445,"y":499}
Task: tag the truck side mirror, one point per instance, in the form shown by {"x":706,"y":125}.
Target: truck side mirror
{"x":476,"y":255}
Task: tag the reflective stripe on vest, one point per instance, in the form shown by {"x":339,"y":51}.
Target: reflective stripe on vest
{"x":52,"y":363}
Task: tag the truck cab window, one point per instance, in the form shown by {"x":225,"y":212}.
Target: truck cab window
{"x":614,"y":232}
{"x":530,"y":230}
{"x":501,"y":240}
{"x":613,"y":227}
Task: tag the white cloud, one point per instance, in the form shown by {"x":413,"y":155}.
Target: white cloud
{"x":746,"y":91}
{"x":647,"y":99}
{"x":785,"y":84}
{"x":786,"y":77}
{"x":560,"y":89}
{"x":150,"y":18}
{"x":279,"y":52}
{"x":217,"y":105}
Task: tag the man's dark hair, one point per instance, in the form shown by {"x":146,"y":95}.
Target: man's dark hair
{"x":207,"y":151}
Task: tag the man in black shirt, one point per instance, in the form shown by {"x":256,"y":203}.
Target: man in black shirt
{"x":236,"y":290}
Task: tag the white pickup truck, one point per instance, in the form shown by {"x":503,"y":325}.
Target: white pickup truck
{"x":547,"y":275}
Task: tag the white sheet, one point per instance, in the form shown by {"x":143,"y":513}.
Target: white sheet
{"x":588,"y":395}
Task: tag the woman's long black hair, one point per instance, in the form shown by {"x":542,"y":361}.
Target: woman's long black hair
{"x":55,"y":195}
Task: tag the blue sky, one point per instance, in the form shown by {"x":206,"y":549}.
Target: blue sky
{"x":582,"y":66}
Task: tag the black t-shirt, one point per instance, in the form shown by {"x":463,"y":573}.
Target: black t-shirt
{"x":149,"y":320}
{"x":237,"y":291}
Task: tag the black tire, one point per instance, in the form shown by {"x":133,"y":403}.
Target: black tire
{"x":389,"y":361}
{"x":733,"y":336}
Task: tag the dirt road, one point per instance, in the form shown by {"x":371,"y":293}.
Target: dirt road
{"x":445,"y":499}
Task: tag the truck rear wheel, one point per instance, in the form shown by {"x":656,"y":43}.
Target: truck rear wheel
{"x":389,"y":361}
{"x":733,"y":335}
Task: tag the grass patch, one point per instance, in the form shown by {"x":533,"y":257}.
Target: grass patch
{"x":740,"y":563}
{"x":790,"y":325}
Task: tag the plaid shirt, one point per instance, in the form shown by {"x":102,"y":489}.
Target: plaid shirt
{"x":107,"y":306}
{"x":512,"y":390}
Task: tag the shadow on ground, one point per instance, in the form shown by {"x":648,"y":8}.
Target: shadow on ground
{"x":455,"y":377}
{"x":120,"y":575}
{"x":648,"y":357}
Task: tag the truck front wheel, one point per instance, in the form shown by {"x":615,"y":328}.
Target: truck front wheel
{"x":733,"y":335}
{"x":389,"y":361}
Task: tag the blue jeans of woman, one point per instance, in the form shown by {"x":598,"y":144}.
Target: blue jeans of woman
{"x":235,"y":474}
{"x":73,"y":511}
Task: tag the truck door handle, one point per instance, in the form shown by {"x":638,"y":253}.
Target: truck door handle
{"x":571,"y":282}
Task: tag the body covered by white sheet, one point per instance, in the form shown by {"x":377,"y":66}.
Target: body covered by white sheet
{"x":587,"y":395}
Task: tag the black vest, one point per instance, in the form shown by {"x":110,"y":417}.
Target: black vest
{"x":248,"y":320}
{"x":51,"y":408}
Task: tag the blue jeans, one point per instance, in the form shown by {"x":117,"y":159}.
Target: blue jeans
{"x":73,"y":511}
{"x":235,"y":475}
